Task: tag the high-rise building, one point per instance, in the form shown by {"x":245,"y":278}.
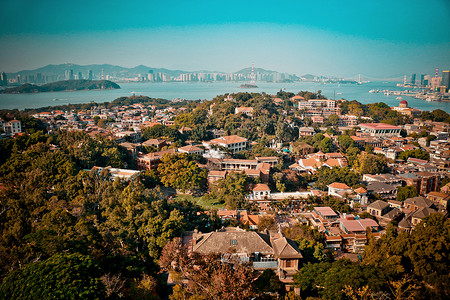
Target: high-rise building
{"x":3,"y":79}
{"x":422,"y":79}
{"x":69,"y":75}
{"x":413,"y":78}
{"x":435,"y":83}
{"x":445,"y":79}
{"x":90,"y":75}
{"x":80,"y":76}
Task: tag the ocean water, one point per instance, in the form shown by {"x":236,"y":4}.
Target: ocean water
{"x":202,"y":90}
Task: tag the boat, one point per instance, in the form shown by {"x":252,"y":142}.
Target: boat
{"x":399,"y":98}
{"x":338,"y":93}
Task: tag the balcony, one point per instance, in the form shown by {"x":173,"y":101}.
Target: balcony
{"x":265,"y":264}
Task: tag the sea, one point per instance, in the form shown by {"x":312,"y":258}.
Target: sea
{"x":209,"y":90}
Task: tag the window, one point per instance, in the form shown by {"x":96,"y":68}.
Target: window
{"x":233,"y":242}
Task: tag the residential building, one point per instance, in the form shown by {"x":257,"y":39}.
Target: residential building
{"x":262,"y":250}
{"x":232,"y":143}
{"x":380,"y":129}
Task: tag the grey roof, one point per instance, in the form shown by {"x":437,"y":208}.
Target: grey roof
{"x":249,"y":242}
{"x":405,"y":222}
{"x":392,"y":214}
{"x":423,"y":212}
{"x":379,"y":204}
{"x":408,"y":176}
{"x":379,"y":187}
{"x":240,"y":240}
{"x":419,"y":201}
{"x":285,"y":248}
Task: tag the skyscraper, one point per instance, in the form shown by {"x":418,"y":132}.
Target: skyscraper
{"x":422,"y":79}
{"x":413,"y":78}
{"x":445,"y":79}
{"x":80,"y":76}
{"x":3,"y":79}
{"x":90,"y":75}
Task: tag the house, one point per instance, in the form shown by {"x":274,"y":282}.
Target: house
{"x":12,"y":127}
{"x":248,"y":111}
{"x":338,"y":189}
{"x":227,"y":215}
{"x":360,"y":196}
{"x":306,"y":131}
{"x":151,"y":160}
{"x":384,"y":178}
{"x":190,"y":149}
{"x":232,"y":143}
{"x":157,"y":143}
{"x":323,"y":217}
{"x":439,"y":198}
{"x":417,"y":203}
{"x":386,"y":191}
{"x":263,"y":250}
{"x":252,"y":221}
{"x":215,"y":175}
{"x":261,"y":191}
{"x":378,"y":208}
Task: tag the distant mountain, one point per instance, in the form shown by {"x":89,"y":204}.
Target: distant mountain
{"x":116,"y":71}
{"x":58,"y":72}
{"x":308,"y":76}
{"x":66,"y":85}
{"x":247,"y":71}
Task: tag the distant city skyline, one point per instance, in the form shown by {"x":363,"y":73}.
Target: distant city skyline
{"x":322,"y":37}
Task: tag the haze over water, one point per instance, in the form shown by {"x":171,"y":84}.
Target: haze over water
{"x":195,"y":91}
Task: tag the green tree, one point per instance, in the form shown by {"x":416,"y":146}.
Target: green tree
{"x":181,"y":173}
{"x":231,"y":190}
{"x":406,"y":192}
{"x":370,"y":164}
{"x":63,"y":276}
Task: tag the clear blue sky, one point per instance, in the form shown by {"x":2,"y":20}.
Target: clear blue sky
{"x":342,"y":37}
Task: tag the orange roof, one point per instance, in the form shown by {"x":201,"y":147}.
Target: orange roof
{"x":338,"y":185}
{"x":361,"y":190}
{"x":230,"y":139}
{"x":261,"y":187}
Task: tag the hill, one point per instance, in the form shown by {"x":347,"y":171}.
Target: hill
{"x":66,"y":85}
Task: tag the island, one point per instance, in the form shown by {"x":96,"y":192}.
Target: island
{"x":65,"y":85}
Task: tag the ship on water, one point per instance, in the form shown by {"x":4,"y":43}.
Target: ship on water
{"x":252,"y":84}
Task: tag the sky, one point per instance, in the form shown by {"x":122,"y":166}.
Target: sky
{"x":377,"y":39}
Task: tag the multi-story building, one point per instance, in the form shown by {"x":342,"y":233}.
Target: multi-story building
{"x":380,"y":129}
{"x":233,"y":143}
{"x":12,"y":127}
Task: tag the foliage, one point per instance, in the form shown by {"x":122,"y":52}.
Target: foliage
{"x":406,"y":192}
{"x":329,"y":280}
{"x":207,"y":275}
{"x":63,"y":276}
{"x":182,"y":173}
{"x":326,"y":176}
{"x":417,"y":153}
{"x":424,"y":253}
{"x":370,"y":164}
{"x":231,"y":190}
{"x":437,"y":115}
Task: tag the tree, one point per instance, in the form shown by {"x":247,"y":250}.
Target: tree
{"x":231,"y":190}
{"x":326,"y":145}
{"x":181,"y":173}
{"x":208,"y":275}
{"x":370,"y":164}
{"x":417,"y":153}
{"x":63,"y":276}
{"x":345,"y":142}
{"x":406,"y":192}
